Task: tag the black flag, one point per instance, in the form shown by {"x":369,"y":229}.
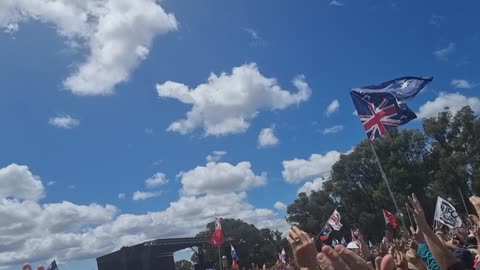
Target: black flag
{"x":53,"y":266}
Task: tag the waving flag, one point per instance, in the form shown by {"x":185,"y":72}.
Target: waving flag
{"x":325,"y":232}
{"x":334,"y":220}
{"x":382,"y":107}
{"x":284,"y":256}
{"x":53,"y":266}
{"x":390,"y":219}
{"x":343,"y":241}
{"x":233,"y":252}
{"x":446,"y":214}
{"x":217,"y":236}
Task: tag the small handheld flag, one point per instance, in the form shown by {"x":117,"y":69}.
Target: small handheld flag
{"x":334,"y":220}
{"x":382,"y":107}
{"x":446,"y":214}
{"x":325,"y":232}
{"x":390,"y":219}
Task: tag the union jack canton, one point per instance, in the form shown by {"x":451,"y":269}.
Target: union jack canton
{"x":382,"y":107}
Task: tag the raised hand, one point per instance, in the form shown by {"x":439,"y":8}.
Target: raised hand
{"x":340,"y":258}
{"x":303,"y":248}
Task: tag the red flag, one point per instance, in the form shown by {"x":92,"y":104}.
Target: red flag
{"x":217,"y":236}
{"x":390,"y":218}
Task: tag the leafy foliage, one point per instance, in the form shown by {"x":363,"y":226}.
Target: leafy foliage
{"x":253,"y":245}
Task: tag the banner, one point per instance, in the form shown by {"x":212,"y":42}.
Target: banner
{"x":334,"y":220}
{"x":446,"y":214}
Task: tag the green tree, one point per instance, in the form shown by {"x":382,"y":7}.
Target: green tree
{"x":455,"y":145}
{"x":252,"y":245}
{"x":438,"y":162}
{"x":183,"y":265}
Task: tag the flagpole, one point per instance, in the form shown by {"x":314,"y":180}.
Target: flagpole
{"x":384,"y":176}
{"x":464,"y":205}
{"x":409,"y":218}
{"x":220,"y":259}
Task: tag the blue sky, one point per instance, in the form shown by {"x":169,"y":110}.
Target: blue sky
{"x":88,"y":93}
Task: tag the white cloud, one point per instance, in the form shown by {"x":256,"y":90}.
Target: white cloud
{"x":66,"y":122}
{"x":51,"y":183}
{"x":314,"y":185}
{"x":298,"y":170}
{"x":143,"y":195}
{"x":10,"y":28}
{"x":34,"y":232}
{"x":444,"y":53}
{"x":333,"y":130}
{"x":355,"y":113}
{"x":215,"y":156}
{"x":156,"y":180}
{"x":336,"y":3}
{"x":332,"y":107}
{"x":118,"y":35}
{"x":462,"y":84}
{"x":256,"y":39}
{"x":267,"y":138}
{"x":452,"y":102}
{"x":220,"y":178}
{"x":148,"y":131}
{"x":280,"y":206}
{"x":18,"y":182}
{"x":121,"y":195}
{"x":227,"y":103}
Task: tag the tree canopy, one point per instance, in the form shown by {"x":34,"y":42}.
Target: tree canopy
{"x":253,"y":245}
{"x":440,"y":161}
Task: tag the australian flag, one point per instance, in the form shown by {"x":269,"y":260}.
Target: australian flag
{"x":383,"y":106}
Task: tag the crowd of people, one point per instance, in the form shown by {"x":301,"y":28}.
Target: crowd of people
{"x":424,"y":248}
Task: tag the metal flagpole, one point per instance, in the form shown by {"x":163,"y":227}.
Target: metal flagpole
{"x":220,"y":259}
{"x":409,"y":218}
{"x":384,"y":176}
{"x":463,"y":201}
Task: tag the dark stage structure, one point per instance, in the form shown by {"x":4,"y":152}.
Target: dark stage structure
{"x":152,"y":255}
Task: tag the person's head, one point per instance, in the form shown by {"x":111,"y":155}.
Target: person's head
{"x":27,"y":267}
{"x":40,"y":267}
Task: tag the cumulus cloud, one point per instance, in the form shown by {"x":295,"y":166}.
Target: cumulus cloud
{"x":444,"y":53}
{"x":215,"y":156}
{"x":462,"y":84}
{"x":267,"y":138}
{"x":121,"y":196}
{"x":332,"y":130}
{"x":310,"y":186}
{"x":66,"y":122}
{"x":156,"y":180}
{"x":452,"y":102}
{"x":332,"y":107}
{"x":17,"y":181}
{"x":298,"y":170}
{"x":227,"y":103}
{"x":220,"y":178}
{"x":34,"y":232}
{"x":118,"y":35}
{"x":280,"y":206}
{"x":143,"y":195}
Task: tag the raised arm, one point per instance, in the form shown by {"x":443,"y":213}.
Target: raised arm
{"x":439,"y":251}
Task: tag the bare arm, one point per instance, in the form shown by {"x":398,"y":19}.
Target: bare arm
{"x":441,"y":253}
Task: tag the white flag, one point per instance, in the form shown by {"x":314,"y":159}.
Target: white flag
{"x":334,"y":220}
{"x":446,"y":214}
